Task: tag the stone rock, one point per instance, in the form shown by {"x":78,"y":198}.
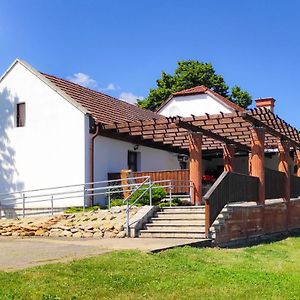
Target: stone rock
{"x":98,"y":235}
{"x":109,"y":234}
{"x":87,"y":234}
{"x":115,"y":209}
{"x":119,"y":227}
{"x":67,"y":233}
{"x":121,"y":234}
{"x":77,"y":234}
{"x":39,"y":232}
{"x":74,"y":230}
{"x":6,"y":233}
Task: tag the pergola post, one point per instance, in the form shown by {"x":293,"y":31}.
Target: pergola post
{"x":195,"y":165}
{"x":298,"y":162}
{"x":283,"y":166}
{"x":228,"y":157}
{"x":257,"y":159}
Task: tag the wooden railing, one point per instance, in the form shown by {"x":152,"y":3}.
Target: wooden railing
{"x":295,"y":186}
{"x":229,"y":188}
{"x":179,"y":178}
{"x":274,"y":183}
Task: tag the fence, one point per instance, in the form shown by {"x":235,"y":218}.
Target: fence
{"x":295,"y":186}
{"x":274,"y":184}
{"x":229,"y":187}
{"x":178,"y":177}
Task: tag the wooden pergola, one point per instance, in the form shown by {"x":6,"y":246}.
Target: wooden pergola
{"x":252,"y":131}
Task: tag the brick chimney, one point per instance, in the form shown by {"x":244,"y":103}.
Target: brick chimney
{"x":268,"y":103}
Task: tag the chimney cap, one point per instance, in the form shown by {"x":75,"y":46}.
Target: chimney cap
{"x":265,"y":102}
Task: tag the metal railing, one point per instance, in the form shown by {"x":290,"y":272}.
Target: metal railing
{"x":38,"y":198}
{"x":148,"y":186}
{"x":53,"y":197}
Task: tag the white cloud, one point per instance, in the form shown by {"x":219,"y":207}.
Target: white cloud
{"x":110,"y":87}
{"x":130,"y":97}
{"x":83,"y":79}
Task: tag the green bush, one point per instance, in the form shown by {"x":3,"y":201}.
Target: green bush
{"x":158,"y":193}
{"x":76,"y":209}
{"x":116,"y":202}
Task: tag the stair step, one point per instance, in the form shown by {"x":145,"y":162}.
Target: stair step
{"x":179,"y":213}
{"x":183,"y":210}
{"x":160,"y":221}
{"x":175,"y":227}
{"x":172,"y":234}
{"x":180,"y":216}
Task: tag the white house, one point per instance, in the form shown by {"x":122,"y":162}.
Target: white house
{"x":45,"y":133}
{"x":48,"y":136}
{"x":196,"y":101}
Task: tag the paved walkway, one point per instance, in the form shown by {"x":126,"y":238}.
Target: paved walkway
{"x":20,"y":253}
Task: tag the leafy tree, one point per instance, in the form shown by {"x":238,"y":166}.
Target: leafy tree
{"x":191,"y":73}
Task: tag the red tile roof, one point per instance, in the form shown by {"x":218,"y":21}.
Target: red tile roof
{"x":103,"y":108}
{"x":201,"y":89}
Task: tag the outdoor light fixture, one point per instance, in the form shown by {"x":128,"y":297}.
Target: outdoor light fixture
{"x":135,"y":147}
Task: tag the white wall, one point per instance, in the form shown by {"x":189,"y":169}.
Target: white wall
{"x":111,"y":156}
{"x":197,"y":105}
{"x":50,"y":149}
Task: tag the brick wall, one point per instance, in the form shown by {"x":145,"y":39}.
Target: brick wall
{"x":250,"y":220}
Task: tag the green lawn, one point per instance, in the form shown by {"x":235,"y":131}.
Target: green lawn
{"x":270,"y":271}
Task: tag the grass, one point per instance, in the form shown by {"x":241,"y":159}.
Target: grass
{"x":269,"y":271}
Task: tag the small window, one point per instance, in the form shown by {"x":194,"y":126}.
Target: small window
{"x":20,"y":114}
{"x":133,"y":161}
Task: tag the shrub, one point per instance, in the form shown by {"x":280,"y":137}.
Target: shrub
{"x":158,"y":193}
{"x":76,"y":209}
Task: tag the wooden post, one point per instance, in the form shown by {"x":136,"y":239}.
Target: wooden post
{"x":298,"y":162}
{"x":195,"y":162}
{"x":257,"y":159}
{"x":228,"y":157}
{"x":283,"y":166}
{"x":124,"y":181}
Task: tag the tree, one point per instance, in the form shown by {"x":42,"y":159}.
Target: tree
{"x":191,"y":73}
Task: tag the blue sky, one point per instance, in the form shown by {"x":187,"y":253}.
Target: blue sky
{"x":121,"y":47}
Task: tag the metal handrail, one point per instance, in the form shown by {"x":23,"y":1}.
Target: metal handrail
{"x":72,"y":185}
{"x":152,"y":185}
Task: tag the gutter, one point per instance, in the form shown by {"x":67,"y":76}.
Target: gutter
{"x":96,"y":130}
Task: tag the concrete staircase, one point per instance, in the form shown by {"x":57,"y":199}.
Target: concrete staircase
{"x":176,"y":222}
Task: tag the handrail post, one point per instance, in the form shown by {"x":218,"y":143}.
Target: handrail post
{"x":109,"y":200}
{"x":51,"y":205}
{"x":84,"y":194}
{"x":191,"y":191}
{"x":170,"y":193}
{"x":23,"y":198}
{"x":127,"y":218}
{"x":150,"y":191}
{"x":207,"y":217}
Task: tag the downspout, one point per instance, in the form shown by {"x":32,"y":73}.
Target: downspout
{"x":92,"y":158}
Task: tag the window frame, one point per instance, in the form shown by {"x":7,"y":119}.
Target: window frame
{"x":20,"y":119}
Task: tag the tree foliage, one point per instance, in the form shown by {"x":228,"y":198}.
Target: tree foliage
{"x":191,"y":73}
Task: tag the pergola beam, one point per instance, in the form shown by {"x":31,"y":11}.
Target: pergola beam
{"x":257,"y":123}
{"x":215,"y":136}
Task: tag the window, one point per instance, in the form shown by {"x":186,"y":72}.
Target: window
{"x":20,"y":115}
{"x":133,"y":160}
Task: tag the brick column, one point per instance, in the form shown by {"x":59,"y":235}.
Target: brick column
{"x":257,"y":159}
{"x":283,"y":166}
{"x":195,"y":165}
{"x":298,"y":162}
{"x":228,"y":157}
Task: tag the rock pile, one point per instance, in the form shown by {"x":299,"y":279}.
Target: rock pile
{"x":96,"y":224}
